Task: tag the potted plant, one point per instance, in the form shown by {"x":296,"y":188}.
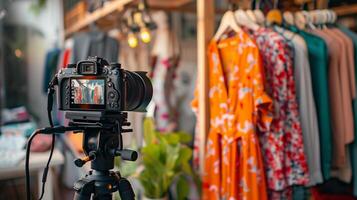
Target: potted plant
{"x":165,"y":160}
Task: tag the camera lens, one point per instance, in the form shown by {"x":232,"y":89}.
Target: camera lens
{"x":138,"y":91}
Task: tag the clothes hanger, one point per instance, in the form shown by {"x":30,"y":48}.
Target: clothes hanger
{"x":334,"y":16}
{"x":300,"y":21}
{"x":330,"y":17}
{"x":308,"y":19}
{"x":259,"y":16}
{"x":243,"y":20}
{"x":274,"y":16}
{"x":251,"y":15}
{"x":228,"y":22}
{"x":325,"y":18}
{"x":289,"y":18}
{"x":314,"y":17}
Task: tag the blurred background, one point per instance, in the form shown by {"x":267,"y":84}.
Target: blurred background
{"x":166,"y":38}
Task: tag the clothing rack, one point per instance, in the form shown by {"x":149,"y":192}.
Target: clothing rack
{"x":206,"y":11}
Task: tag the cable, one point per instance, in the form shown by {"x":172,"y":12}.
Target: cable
{"x":27,"y":160}
{"x":50,"y":93}
{"x":49,"y":130}
{"x":45,"y":171}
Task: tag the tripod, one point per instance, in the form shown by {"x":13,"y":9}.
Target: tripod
{"x":102,"y":141}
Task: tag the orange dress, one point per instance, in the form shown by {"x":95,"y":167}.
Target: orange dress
{"x":238,"y":108}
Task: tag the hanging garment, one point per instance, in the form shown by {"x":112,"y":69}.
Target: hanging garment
{"x":165,"y":56}
{"x":66,"y":58}
{"x":353,"y":146}
{"x":282,"y":146}
{"x":94,"y":43}
{"x":338,"y":129}
{"x":238,"y":108}
{"x":340,"y":93}
{"x":307,"y":108}
{"x":346,"y":79}
{"x":344,"y":172}
{"x":318,"y":59}
{"x":51,"y":61}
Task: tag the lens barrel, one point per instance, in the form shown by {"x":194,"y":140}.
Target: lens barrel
{"x":138,"y":91}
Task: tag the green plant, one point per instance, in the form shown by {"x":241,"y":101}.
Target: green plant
{"x":38,"y":5}
{"x":165,"y":158}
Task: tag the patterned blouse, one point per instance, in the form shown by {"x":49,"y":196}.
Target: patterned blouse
{"x":283,"y":149}
{"x":238,"y":108}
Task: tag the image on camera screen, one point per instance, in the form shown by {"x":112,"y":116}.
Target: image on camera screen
{"x":87,"y":91}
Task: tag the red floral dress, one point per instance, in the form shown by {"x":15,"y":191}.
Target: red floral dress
{"x":282,"y":146}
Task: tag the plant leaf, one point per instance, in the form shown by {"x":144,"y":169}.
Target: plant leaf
{"x":184,"y":137}
{"x":172,"y":138}
{"x":182,"y":188}
{"x":184,"y":158}
{"x":149,"y":131}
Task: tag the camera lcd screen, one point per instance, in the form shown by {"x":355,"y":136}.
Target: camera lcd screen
{"x":87,"y":92}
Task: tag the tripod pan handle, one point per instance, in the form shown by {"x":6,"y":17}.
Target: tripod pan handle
{"x":127,"y":154}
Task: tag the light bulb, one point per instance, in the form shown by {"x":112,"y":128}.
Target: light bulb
{"x":145,"y":35}
{"x":132,"y":40}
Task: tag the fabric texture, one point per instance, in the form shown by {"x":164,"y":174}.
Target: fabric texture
{"x":307,"y":106}
{"x":283,"y":148}
{"x":238,"y":108}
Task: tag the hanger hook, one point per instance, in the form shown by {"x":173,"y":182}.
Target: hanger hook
{"x":232,"y":5}
{"x":276,"y":3}
{"x":257,"y":4}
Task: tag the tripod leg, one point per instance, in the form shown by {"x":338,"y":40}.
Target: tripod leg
{"x":78,"y":196}
{"x":125,"y":190}
{"x":84,"y":189}
{"x":103,"y":197}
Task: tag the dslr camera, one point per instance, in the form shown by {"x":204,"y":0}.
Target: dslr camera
{"x":95,"y":95}
{"x":96,"y":85}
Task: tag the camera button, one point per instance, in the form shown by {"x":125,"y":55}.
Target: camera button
{"x":111,"y":95}
{"x":110,"y":73}
{"x":109,"y":79}
{"x":110,"y":84}
{"x":115,"y":72}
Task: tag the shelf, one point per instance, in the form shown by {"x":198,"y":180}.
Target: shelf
{"x":117,"y":6}
{"x":108,"y":9}
{"x":346,"y":10}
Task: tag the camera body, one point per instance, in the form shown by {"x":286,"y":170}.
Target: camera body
{"x":96,"y":85}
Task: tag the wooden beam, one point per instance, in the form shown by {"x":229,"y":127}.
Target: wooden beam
{"x":346,"y":10}
{"x":164,"y":4}
{"x":205,"y":29}
{"x":107,"y":9}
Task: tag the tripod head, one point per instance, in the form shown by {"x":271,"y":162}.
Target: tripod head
{"x":102,"y":138}
{"x":102,"y":142}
